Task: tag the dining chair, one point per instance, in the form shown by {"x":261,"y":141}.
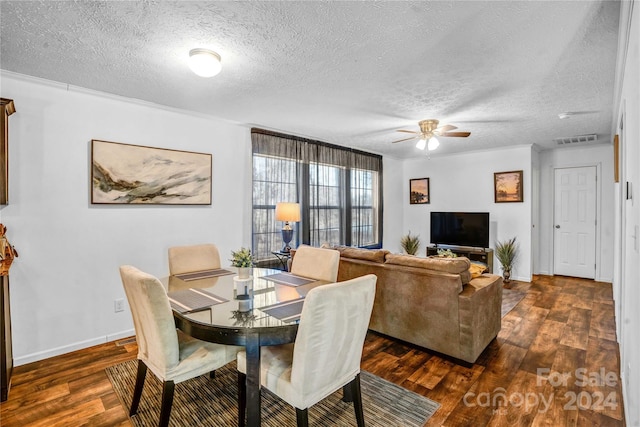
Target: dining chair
{"x":170,"y":354}
{"x":316,"y":263}
{"x":187,"y":259}
{"x":326,"y":353}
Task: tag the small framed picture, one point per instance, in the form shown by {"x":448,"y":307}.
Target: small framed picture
{"x":507,"y":186}
{"x":419,"y":191}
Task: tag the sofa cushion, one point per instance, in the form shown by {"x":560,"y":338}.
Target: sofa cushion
{"x":459,"y":265}
{"x":373,"y":255}
{"x":447,"y":265}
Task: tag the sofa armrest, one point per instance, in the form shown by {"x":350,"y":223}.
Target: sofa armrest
{"x":480,"y":304}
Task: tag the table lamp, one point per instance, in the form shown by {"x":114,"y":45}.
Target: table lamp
{"x":287,"y":212}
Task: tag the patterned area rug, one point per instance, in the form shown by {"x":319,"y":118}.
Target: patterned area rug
{"x":510,"y":298}
{"x":205,"y":402}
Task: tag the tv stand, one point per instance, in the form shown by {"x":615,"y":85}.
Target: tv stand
{"x":482,"y":255}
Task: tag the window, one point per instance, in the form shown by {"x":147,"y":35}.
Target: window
{"x":338,"y":189}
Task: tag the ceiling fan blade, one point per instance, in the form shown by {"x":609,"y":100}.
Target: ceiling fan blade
{"x":408,"y":131}
{"x":446,"y":128}
{"x":406,"y":139}
{"x":457,"y":134}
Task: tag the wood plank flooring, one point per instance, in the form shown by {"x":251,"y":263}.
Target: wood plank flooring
{"x":552,"y":364}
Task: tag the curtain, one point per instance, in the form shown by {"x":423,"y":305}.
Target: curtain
{"x":339,"y":190}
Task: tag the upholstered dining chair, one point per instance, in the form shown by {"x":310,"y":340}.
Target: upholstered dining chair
{"x":316,"y":263}
{"x":171,"y":355}
{"x":187,"y":259}
{"x":326,"y":353}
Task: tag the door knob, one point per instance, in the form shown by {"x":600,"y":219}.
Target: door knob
{"x":557,"y":226}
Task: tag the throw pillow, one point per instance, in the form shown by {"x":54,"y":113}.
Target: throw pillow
{"x":476,"y":269}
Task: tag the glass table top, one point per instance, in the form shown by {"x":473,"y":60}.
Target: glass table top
{"x":233,"y":313}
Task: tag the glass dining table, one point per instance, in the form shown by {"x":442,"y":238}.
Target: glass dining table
{"x":264,"y":313}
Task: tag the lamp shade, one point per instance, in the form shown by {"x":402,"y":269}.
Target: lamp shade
{"x":288,"y":212}
{"x":204,"y":62}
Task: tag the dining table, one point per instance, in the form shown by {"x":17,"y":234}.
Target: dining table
{"x":223,"y":308}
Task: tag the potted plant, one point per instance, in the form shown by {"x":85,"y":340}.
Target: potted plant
{"x":410,"y":243}
{"x":507,"y":252}
{"x":243,"y":260}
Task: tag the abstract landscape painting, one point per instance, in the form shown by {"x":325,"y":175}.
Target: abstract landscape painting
{"x":133,"y":174}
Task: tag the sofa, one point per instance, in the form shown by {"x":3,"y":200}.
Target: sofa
{"x":432,"y":302}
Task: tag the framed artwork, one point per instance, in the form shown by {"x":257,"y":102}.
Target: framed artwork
{"x":134,"y":174}
{"x":7,"y":108}
{"x":507,"y":186}
{"x":419,"y":191}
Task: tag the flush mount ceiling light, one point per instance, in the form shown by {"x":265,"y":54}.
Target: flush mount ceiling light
{"x":204,"y":62}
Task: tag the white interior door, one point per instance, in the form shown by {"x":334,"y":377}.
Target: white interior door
{"x":574,"y":239}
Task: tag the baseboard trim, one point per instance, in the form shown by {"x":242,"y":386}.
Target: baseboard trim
{"x":45,"y":354}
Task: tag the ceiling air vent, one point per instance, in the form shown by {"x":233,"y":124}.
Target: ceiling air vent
{"x":576,"y":139}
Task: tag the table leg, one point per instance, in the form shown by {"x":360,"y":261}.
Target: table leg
{"x":253,"y":379}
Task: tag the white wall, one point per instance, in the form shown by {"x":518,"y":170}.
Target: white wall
{"x":393,"y":203}
{"x":627,"y":251}
{"x":64,"y":283}
{"x":600,"y":156}
{"x":464,"y":183}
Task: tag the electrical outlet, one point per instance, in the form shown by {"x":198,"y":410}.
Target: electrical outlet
{"x":118,"y":305}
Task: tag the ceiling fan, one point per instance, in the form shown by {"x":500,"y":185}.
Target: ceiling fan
{"x":428,"y":131}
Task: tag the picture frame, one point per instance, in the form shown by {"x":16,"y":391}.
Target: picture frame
{"x":135,"y":174}
{"x":419,"y":193}
{"x":507,"y":187}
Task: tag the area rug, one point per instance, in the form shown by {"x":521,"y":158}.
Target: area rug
{"x":206,"y":402}
{"x":510,"y":298}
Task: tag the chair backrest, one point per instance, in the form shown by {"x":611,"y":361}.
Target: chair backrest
{"x":152,"y":319}
{"x":333,"y":326}
{"x":316,"y":263}
{"x":186,"y":259}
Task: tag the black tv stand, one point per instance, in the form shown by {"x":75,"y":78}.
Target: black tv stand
{"x":483,"y":255}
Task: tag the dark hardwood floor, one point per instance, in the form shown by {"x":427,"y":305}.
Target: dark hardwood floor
{"x":555,"y":362}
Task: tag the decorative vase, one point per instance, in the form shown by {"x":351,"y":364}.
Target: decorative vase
{"x":244,"y":272}
{"x":506,"y":277}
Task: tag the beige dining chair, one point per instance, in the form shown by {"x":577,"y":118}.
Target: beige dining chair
{"x":187,"y":259}
{"x":316,"y":263}
{"x":171,"y":355}
{"x":326,"y":353}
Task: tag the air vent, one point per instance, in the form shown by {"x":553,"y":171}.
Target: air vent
{"x":576,"y":139}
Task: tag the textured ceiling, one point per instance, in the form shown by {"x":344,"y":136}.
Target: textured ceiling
{"x":349,"y":73}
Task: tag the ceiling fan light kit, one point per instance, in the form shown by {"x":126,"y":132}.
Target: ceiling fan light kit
{"x":204,"y":62}
{"x":428,"y":131}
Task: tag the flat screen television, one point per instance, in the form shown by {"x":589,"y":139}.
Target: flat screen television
{"x":460,"y":229}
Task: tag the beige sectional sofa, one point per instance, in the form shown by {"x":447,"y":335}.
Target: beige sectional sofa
{"x":431,"y":302}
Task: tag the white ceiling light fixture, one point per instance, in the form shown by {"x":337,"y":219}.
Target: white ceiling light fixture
{"x":433,"y":143}
{"x":204,"y":62}
{"x":422,"y":143}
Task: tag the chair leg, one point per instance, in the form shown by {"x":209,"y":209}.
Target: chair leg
{"x":167,"y":401}
{"x":212,"y":375}
{"x":137,"y":390}
{"x":357,"y":400}
{"x":302,"y":417}
{"x":242,"y":398}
